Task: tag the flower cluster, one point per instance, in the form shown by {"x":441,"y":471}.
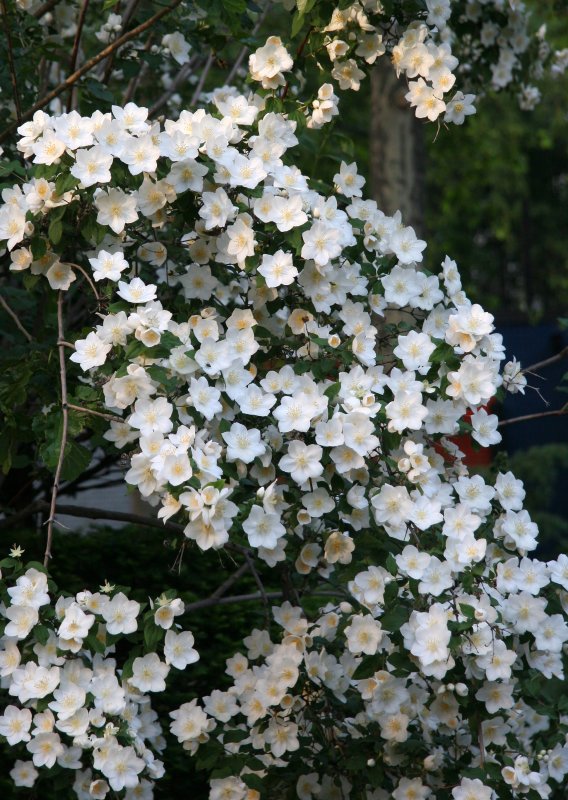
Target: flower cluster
{"x":285,"y":377}
{"x":73,"y":704}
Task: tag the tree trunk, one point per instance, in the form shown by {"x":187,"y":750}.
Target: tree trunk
{"x":396,"y":152}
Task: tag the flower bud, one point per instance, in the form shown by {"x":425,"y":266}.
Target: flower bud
{"x":429,"y":763}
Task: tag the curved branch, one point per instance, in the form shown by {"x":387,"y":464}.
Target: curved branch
{"x":547,"y":361}
{"x":14,"y":316}
{"x":11,"y":65}
{"x":88,"y":66}
{"x":65,"y":413}
{"x":559,"y":412}
{"x":75,"y":50}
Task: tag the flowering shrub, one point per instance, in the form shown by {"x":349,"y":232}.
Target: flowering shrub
{"x":284,"y":376}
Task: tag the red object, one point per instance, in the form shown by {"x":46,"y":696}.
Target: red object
{"x":481,"y":457}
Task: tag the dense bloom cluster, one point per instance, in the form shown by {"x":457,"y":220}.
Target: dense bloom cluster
{"x":70,"y":703}
{"x":286,"y":377}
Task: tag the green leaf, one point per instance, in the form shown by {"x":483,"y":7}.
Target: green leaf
{"x":400,"y":662}
{"x":391,"y":565}
{"x":65,"y":182}
{"x":467,"y":610}
{"x":333,"y":390}
{"x":368,"y":666}
{"x":153,"y":635}
{"x":55,"y":231}
{"x":253,"y":782}
{"x":235,"y":6}
{"x":395,"y":618}
{"x":297,"y":23}
{"x":75,"y":461}
{"x":41,"y":633}
{"x":38,"y":247}
{"x":235,"y":736}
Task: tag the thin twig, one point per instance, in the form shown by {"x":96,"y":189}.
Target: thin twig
{"x":135,"y":81}
{"x":109,"y":417}
{"x":557,"y":413}
{"x":243,"y":598}
{"x":65,"y":420}
{"x":245,"y":50}
{"x":87,"y":278}
{"x":237,"y":598}
{"x":105,"y":71}
{"x":173,"y":87}
{"x":11,"y":66}
{"x":232,"y":579}
{"x":481,"y":745}
{"x":202,"y":79}
{"x":45,"y":8}
{"x":299,"y":52}
{"x":90,"y":513}
{"x":259,"y":583}
{"x":75,"y":50}
{"x":541,"y":364}
{"x":88,"y":65}
{"x":14,"y":316}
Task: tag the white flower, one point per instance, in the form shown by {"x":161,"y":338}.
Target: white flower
{"x":406,"y":411}
{"x":348,"y":182}
{"x":321,"y":243}
{"x":24,"y":773}
{"x":116,"y":209}
{"x":92,"y":166}
{"x":472,"y":789}
{"x":15,"y":724}
{"x":263,"y":529}
{"x":120,"y":614}
{"x":149,"y":673}
{"x":136,"y":291}
{"x":189,"y":723}
{"x":303,"y":461}
{"x":485,"y":428}
{"x":177,"y":45}
{"x":179,"y":650}
{"x":363,"y":634}
{"x":108,"y":266}
{"x":45,"y":749}
{"x":243,"y":443}
{"x":278,"y":269}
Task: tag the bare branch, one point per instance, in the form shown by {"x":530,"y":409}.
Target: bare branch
{"x":91,"y":513}
{"x":87,"y":278}
{"x":232,"y":579}
{"x":135,"y":81}
{"x":88,"y":65}
{"x":244,"y":598}
{"x":45,"y":9}
{"x":237,"y":598}
{"x":559,"y":412}
{"x":244,"y":51}
{"x":105,"y":71}
{"x":109,"y":417}
{"x":11,"y":65}
{"x":175,"y":84}
{"x":202,"y":79}
{"x":75,"y":50}
{"x":260,"y":585}
{"x":14,"y":316}
{"x":65,"y":416}
{"x":547,"y":361}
